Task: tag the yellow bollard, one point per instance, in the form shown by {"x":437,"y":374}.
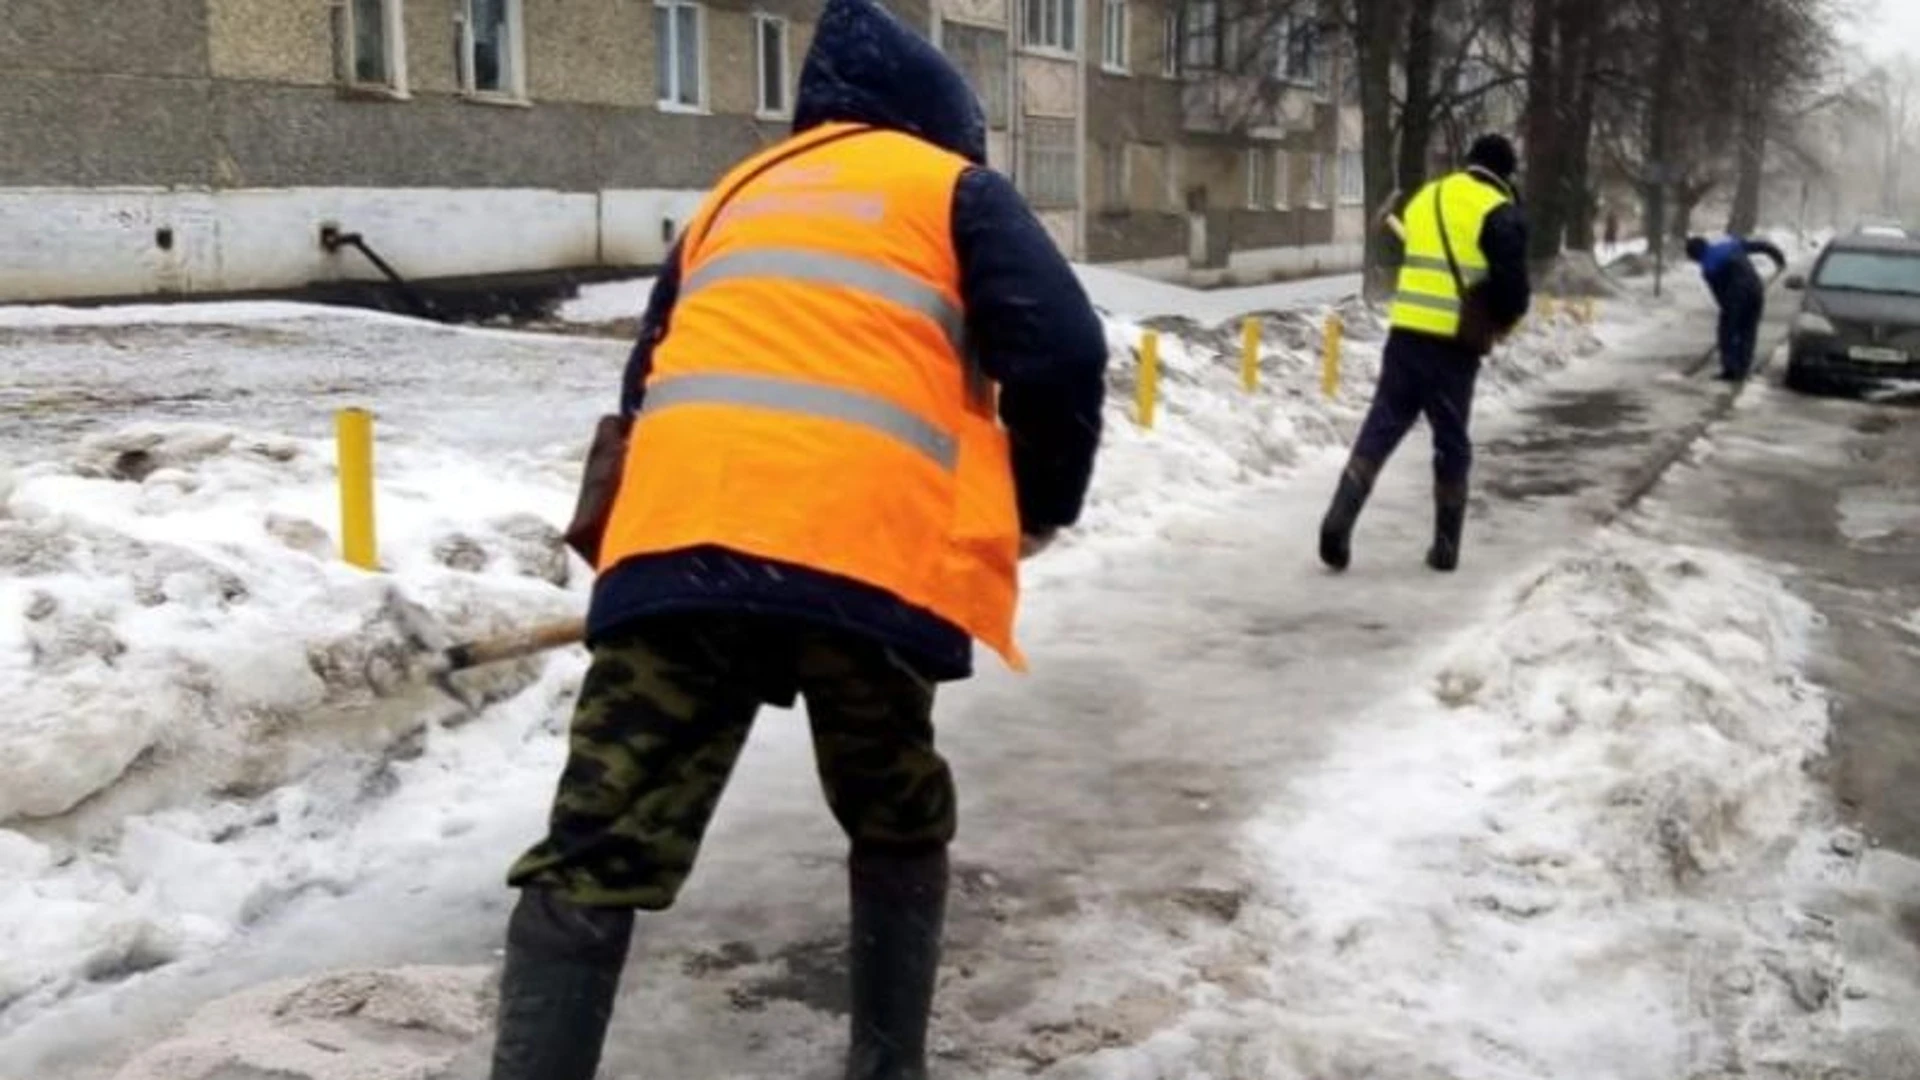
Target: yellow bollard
{"x":1147,"y":389}
{"x":1330,"y":354}
{"x":355,"y":433}
{"x":1250,"y":354}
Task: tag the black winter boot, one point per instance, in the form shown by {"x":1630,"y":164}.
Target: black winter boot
{"x":557,"y":992}
{"x":899,"y":910}
{"x":1449,"y":520}
{"x":1336,"y":529}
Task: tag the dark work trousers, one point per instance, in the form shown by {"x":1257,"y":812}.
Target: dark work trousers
{"x":1740,"y":314}
{"x":1422,"y":375}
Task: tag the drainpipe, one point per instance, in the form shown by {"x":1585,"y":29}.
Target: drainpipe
{"x":1080,"y":125}
{"x":1016,"y":103}
{"x":332,"y":239}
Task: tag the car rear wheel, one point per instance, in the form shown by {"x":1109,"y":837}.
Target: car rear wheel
{"x":1797,"y":377}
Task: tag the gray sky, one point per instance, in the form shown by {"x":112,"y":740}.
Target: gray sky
{"x":1893,"y":28}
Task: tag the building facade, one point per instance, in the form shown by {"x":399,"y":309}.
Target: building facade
{"x":1215,"y":142}
{"x":203,"y":146}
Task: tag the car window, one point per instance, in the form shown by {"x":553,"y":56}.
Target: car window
{"x":1870,"y":271}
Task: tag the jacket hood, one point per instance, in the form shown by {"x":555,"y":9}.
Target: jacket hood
{"x":866,"y":67}
{"x":1502,"y":184}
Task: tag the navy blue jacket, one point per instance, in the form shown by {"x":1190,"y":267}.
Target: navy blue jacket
{"x":1730,"y":274}
{"x":1029,"y":323}
{"x":1503,"y":240}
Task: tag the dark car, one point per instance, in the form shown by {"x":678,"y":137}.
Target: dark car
{"x":1858,"y":329}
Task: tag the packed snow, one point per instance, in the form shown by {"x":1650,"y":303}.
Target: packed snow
{"x":1545,"y":843}
{"x":607,"y":301}
{"x":1113,"y":290}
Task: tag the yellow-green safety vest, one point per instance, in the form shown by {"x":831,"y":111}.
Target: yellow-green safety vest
{"x":1427,"y":299}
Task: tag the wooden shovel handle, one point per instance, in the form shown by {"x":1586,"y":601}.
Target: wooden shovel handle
{"x":517,"y":643}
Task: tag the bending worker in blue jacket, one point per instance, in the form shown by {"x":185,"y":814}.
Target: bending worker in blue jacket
{"x":1738,"y":290}
{"x":1463,"y":286}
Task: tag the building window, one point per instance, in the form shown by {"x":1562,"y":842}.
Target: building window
{"x":1316,"y":180}
{"x":1049,"y":164}
{"x":1259,"y":179}
{"x":981,"y":55}
{"x":1050,"y":24}
{"x":1170,"y":45}
{"x":1353,"y":178}
{"x":1282,"y":180}
{"x":490,"y":48}
{"x":1297,"y":60}
{"x":1113,"y":35}
{"x":770,"y":32}
{"x":678,"y":30}
{"x":1200,"y":36}
{"x":368,"y":45}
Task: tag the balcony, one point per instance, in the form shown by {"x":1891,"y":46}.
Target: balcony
{"x":1261,"y":108}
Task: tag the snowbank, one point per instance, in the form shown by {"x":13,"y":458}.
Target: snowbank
{"x":1127,"y":294}
{"x":67,"y":317}
{"x":345,"y":1026}
{"x":178,"y":640}
{"x":1560,"y":856}
{"x":1210,"y":438}
{"x":606,"y":302}
{"x":1112,"y":290}
{"x":202,"y":691}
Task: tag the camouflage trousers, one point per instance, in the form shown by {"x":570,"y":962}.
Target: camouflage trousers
{"x":662,"y":717}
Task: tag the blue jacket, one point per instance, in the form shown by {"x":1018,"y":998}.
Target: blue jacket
{"x":1730,"y":274}
{"x":1028,"y":320}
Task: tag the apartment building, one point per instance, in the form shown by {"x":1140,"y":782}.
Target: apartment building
{"x":1219,"y":142}
{"x":204,"y":146}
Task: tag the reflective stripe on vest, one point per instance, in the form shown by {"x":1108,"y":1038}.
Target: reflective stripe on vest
{"x":1427,"y":298}
{"x":822,"y":268}
{"x":807,"y":399}
{"x":1472,"y":276}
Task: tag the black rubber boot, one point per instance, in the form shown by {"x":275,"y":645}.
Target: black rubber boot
{"x":1449,"y":520}
{"x":557,"y":991}
{"x":899,"y":910}
{"x":1336,"y":529}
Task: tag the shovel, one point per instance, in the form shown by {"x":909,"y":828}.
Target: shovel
{"x":511,"y":645}
{"x":440,"y":661}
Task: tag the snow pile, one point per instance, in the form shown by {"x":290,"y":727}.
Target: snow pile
{"x":1110,"y":289}
{"x":1210,"y":436}
{"x":1562,"y":856}
{"x":1129,"y":294}
{"x":606,"y":302}
{"x":379,"y":1025}
{"x":178,"y":639}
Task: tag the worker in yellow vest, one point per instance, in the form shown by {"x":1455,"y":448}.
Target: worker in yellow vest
{"x":1463,"y":286}
{"x":867,"y":385}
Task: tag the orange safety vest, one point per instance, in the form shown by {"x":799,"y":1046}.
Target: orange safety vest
{"x":812,"y":402}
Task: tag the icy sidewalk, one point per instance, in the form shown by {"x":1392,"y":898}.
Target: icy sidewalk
{"x":391,"y":857}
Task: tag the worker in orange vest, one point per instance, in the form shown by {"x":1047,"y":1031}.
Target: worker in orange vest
{"x":867,"y":384}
